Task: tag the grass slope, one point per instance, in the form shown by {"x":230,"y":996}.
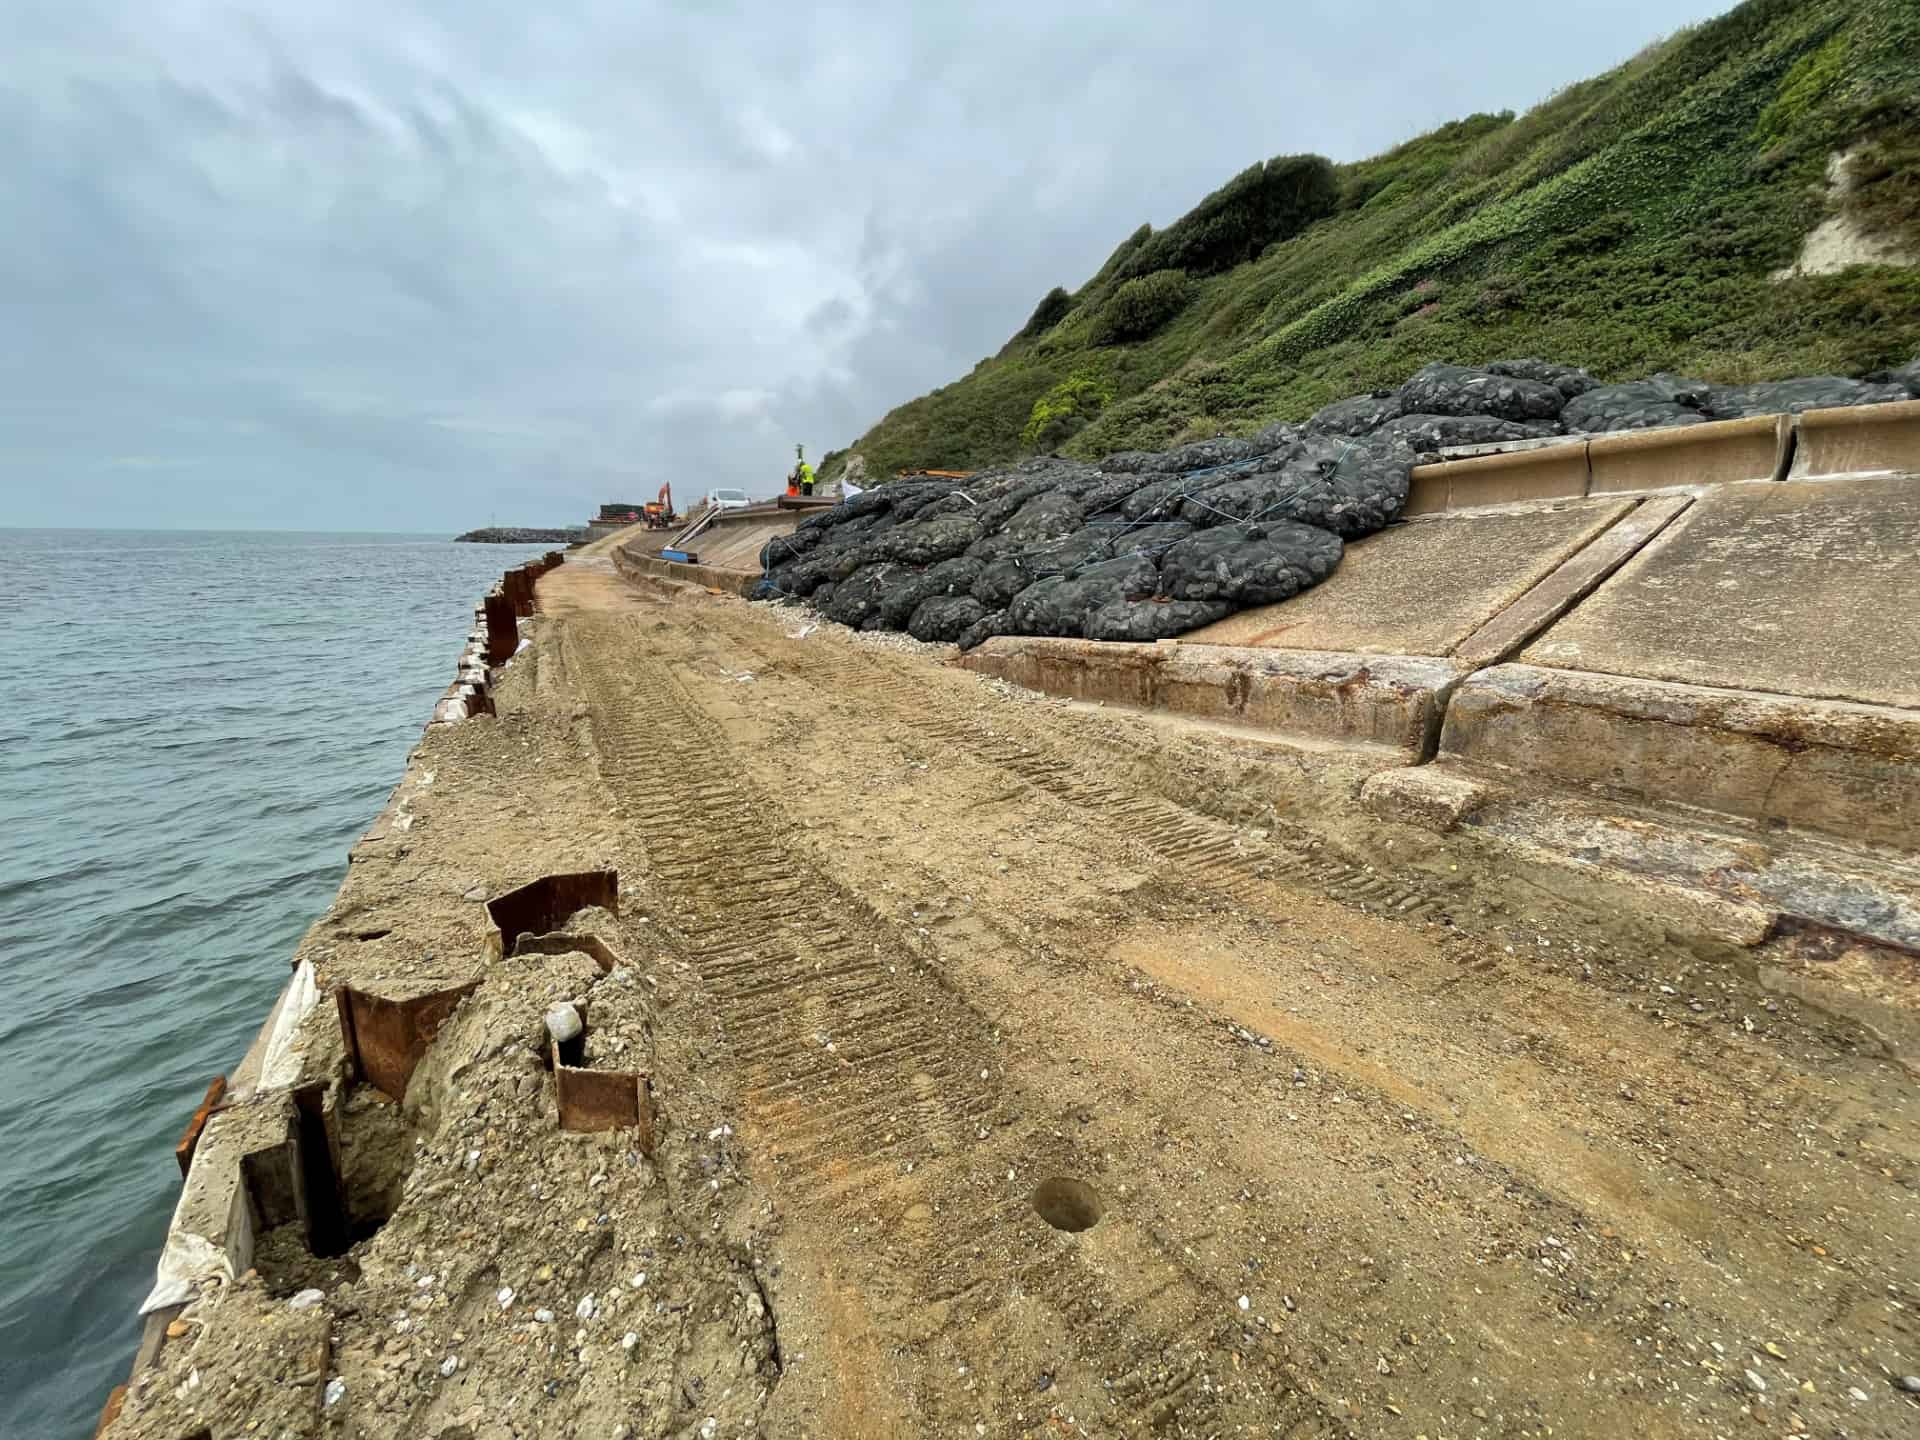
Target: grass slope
{"x":1629,"y":224}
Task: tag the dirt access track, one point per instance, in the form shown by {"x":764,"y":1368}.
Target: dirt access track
{"x":1029,"y":1069}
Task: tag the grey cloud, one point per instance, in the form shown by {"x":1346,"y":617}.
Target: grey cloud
{"x":354,"y":264}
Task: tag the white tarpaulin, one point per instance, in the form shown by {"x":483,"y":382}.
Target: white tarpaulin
{"x":281,"y":1067}
{"x":187,"y":1259}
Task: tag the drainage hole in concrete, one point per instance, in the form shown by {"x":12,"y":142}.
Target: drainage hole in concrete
{"x":1067,"y":1204}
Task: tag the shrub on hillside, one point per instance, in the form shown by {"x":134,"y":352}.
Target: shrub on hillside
{"x":1051,"y":310}
{"x":1262,"y":204}
{"x":1118,"y":262}
{"x":1065,"y":410}
{"x":1141,"y":306}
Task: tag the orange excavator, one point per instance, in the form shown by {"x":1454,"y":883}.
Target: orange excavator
{"x":660,"y":514}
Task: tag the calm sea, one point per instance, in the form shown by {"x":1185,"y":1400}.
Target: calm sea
{"x":193,"y":728}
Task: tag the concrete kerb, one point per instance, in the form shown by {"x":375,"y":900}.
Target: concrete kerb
{"x":706,"y":577}
{"x":1858,"y":440}
{"x":1847,"y":440}
{"x":1393,"y":701}
{"x":1553,"y":473}
{"x":1844,"y":770}
{"x":1717,"y":452}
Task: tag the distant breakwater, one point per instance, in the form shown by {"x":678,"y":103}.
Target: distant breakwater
{"x":524,"y":535}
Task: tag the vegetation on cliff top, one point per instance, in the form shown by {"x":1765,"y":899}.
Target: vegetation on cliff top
{"x":1631,"y":223}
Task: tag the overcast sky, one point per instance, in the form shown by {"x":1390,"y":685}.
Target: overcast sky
{"x":376,"y":265}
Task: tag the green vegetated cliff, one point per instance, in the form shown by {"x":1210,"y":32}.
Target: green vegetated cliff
{"x":1631,"y":223}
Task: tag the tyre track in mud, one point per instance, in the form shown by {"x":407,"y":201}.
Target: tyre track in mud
{"x":983,"y":1281}
{"x":1213,"y":854}
{"x":1208,"y":852}
{"x":872,"y":1097}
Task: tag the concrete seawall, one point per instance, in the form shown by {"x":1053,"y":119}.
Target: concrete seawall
{"x":744,"y":1014}
{"x":253,"y":1153}
{"x":1700,"y":637}
{"x":723,"y":548}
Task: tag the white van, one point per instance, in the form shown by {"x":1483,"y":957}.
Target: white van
{"x":728,"y":499}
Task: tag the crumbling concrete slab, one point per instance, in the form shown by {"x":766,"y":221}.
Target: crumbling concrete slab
{"x":1424,"y":587}
{"x":1434,"y":797}
{"x":1798,"y":588}
{"x":1718,"y":878}
{"x":1846,"y":770}
{"x":708,"y":577}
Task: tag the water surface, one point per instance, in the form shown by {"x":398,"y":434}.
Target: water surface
{"x":193,"y":728}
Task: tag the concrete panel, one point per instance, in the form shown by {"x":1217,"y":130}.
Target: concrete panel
{"x":737,"y":545}
{"x":1341,"y":699}
{"x":1846,"y":770}
{"x":1576,"y":579}
{"x":1422,"y":588}
{"x":1426,"y":492}
{"x":1101,"y":671}
{"x":1391,"y":700}
{"x":1860,"y":439}
{"x":1717,"y":453}
{"x":1800,"y":588}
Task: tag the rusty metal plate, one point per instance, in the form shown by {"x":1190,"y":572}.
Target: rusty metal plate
{"x":605,"y":1100}
{"x":386,"y":1038}
{"x":539,"y":906}
{"x":503,"y":630}
{"x":190,"y":1137}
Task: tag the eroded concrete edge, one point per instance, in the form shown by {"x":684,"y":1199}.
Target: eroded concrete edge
{"x":239,"y":1154}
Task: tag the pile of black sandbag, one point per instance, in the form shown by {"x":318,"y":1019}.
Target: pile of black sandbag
{"x":1147,"y":545}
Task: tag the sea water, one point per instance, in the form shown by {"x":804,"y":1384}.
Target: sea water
{"x":194,"y":727}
